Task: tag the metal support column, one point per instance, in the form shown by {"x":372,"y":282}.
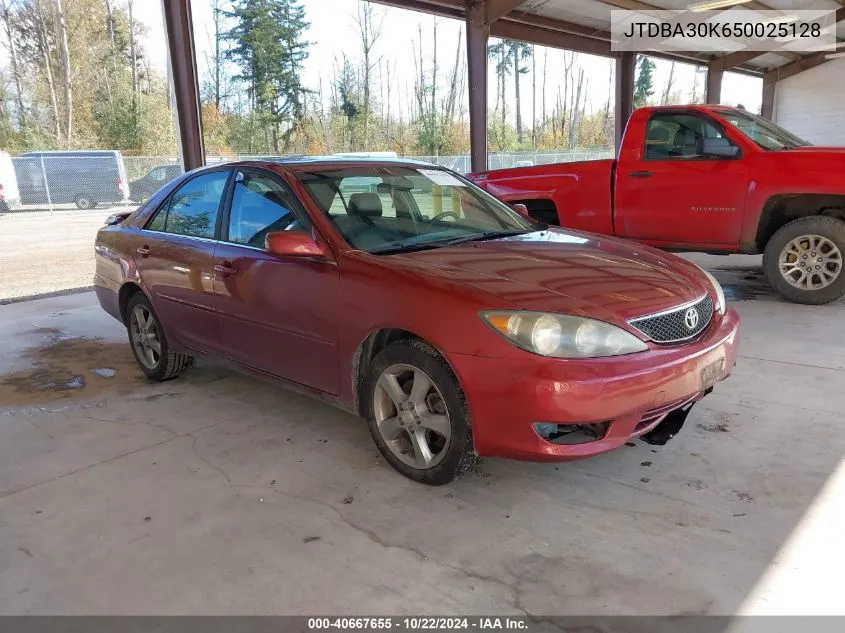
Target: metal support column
{"x":626,"y":64}
{"x":478,"y":32}
{"x":713,"y":90}
{"x":767,"y":109}
{"x":182,"y":57}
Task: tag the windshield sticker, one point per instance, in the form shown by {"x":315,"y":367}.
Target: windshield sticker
{"x":443,"y":178}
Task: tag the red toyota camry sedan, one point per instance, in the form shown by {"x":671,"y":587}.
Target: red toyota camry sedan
{"x":455,"y":324}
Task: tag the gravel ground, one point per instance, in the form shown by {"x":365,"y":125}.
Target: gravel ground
{"x":42,"y":253}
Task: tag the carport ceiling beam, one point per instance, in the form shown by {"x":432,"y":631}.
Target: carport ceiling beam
{"x":495,"y":9}
{"x":733,"y":59}
{"x":547,"y":37}
{"x":541,"y":29}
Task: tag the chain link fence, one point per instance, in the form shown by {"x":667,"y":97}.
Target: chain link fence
{"x":66,"y":181}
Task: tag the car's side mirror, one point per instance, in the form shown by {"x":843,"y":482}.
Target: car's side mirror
{"x":718,"y":148}
{"x":521,"y":209}
{"x":295,"y":244}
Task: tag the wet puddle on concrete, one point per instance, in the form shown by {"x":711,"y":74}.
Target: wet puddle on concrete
{"x":743,"y":284}
{"x":70,"y":368}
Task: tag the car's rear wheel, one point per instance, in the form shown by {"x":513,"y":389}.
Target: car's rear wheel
{"x":805,"y":260}
{"x":84,"y":201}
{"x":149,"y":344}
{"x":417,"y":414}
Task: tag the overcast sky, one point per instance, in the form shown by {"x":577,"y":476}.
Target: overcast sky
{"x":333,"y":33}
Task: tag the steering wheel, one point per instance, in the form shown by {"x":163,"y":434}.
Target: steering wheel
{"x":444,"y":214}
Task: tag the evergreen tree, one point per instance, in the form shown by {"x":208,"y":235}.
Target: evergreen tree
{"x":268,"y":47}
{"x":644,"y":85}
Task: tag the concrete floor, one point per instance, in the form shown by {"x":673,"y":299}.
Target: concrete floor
{"x":220,"y":494}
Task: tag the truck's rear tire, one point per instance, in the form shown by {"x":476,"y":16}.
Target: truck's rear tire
{"x":804,"y":260}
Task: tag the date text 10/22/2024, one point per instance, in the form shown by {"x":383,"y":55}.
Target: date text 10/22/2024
{"x":418,"y":624}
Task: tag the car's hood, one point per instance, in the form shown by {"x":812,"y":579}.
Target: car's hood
{"x":567,"y":271}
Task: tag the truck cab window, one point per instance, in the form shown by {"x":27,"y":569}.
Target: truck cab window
{"x":677,"y":136}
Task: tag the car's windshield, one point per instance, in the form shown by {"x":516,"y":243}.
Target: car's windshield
{"x":384,"y":209}
{"x":766,"y":134}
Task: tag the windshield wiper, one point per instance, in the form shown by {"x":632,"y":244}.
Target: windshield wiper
{"x":487,"y":235}
{"x":404,"y":247}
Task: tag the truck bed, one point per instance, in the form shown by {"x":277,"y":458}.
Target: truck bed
{"x":576,"y":195}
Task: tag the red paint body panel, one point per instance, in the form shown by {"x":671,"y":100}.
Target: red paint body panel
{"x":702,"y":204}
{"x":304,"y":319}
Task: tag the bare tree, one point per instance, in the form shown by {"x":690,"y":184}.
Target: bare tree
{"x":452,"y":95}
{"x":667,"y":90}
{"x":44,"y":50}
{"x":519,"y":51}
{"x":433,"y":76}
{"x":533,"y":97}
{"x":110,"y":22}
{"x":563,"y":110}
{"x":609,"y":94}
{"x":573,"y":126}
{"x":369,"y":23}
{"x":133,"y":56}
{"x":545,"y":66}
{"x":68,"y":75}
{"x":5,"y":13}
{"x":215,"y":58}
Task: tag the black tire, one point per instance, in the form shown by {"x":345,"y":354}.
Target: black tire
{"x":4,"y":207}
{"x":830,"y":228}
{"x":84,"y":202}
{"x":170,"y":364}
{"x":460,"y":458}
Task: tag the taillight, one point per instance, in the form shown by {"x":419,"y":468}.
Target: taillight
{"x":120,"y":185}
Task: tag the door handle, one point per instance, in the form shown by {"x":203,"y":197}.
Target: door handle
{"x":225,"y":269}
{"x":144,"y":251}
{"x":641,"y":174}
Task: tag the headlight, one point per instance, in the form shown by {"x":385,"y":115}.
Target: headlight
{"x":563,"y":335}
{"x":720,"y":294}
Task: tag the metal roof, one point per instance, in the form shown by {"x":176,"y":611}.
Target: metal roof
{"x":584,"y":25}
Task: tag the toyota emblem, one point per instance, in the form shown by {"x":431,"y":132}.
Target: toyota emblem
{"x":691,"y":318}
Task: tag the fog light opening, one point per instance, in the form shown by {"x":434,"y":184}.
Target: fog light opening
{"x":569,"y":434}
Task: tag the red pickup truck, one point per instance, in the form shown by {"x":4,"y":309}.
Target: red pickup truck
{"x":704,"y":178}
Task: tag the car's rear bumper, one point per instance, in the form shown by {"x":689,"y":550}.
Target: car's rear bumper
{"x":631,"y":394}
{"x":108,"y":294}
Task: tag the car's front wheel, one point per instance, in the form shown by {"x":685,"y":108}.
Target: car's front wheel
{"x":805,"y":260}
{"x":417,"y":414}
{"x":149,"y":344}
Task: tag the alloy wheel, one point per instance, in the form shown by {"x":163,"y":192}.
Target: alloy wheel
{"x":411,"y":416}
{"x":145,"y":335}
{"x":810,"y":262}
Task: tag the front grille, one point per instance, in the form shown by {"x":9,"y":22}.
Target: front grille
{"x":677,"y":324}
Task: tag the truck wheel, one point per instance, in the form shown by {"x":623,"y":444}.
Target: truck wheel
{"x":805,"y":260}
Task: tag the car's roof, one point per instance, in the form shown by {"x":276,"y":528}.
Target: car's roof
{"x":694,"y":106}
{"x":299,"y":163}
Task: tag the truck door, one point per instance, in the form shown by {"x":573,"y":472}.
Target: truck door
{"x":677,"y":190}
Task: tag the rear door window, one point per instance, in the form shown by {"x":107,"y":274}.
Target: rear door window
{"x":193,"y":208}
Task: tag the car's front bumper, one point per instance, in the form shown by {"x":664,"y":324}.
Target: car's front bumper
{"x":631,"y":394}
